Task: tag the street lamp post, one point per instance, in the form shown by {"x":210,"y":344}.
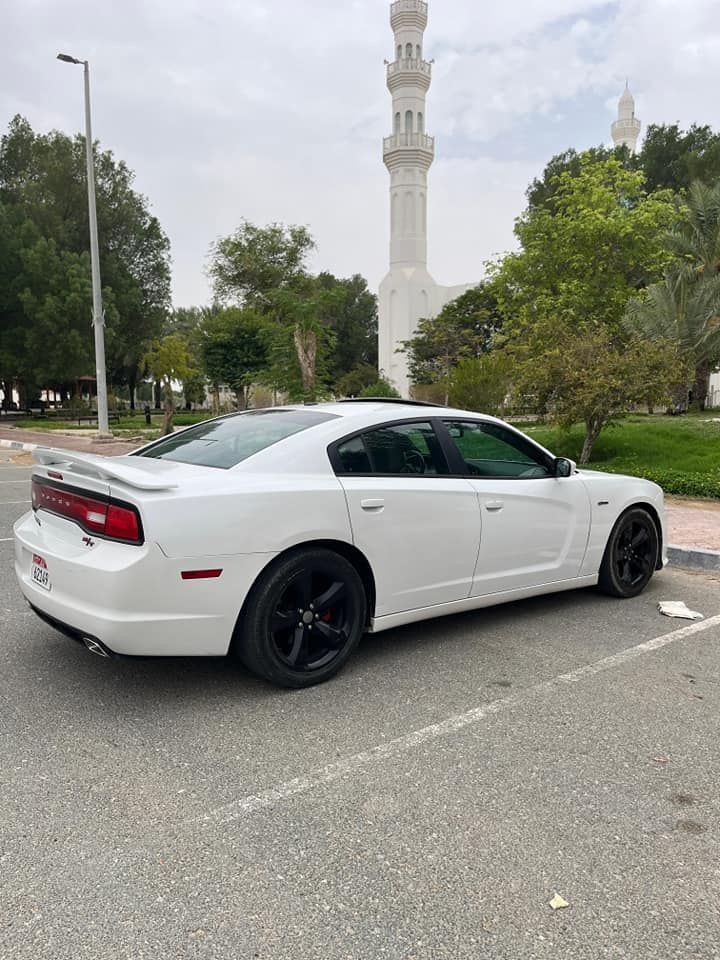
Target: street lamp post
{"x":98,"y":316}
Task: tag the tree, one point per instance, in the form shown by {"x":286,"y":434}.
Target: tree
{"x":685,"y":306}
{"x":301,"y":316}
{"x":169,"y":360}
{"x":43,"y":183}
{"x":542,"y":190}
{"x":695,"y":237}
{"x":593,"y":378}
{"x":57,"y":307}
{"x":672,"y":158}
{"x":254,"y":262}
{"x":603,"y":240}
{"x":466,"y":327}
{"x":232,"y":349}
{"x":15,"y":361}
{"x":264,"y":269}
{"x":355,"y":381}
{"x":352,"y":315}
{"x":482,"y":383}
{"x":564,"y":294}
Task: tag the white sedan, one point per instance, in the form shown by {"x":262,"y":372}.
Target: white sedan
{"x":281,"y":535}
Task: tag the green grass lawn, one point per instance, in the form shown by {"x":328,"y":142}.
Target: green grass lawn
{"x":126,"y":423}
{"x":682,"y":454}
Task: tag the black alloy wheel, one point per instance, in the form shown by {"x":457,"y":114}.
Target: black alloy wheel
{"x":303,"y":619}
{"x":630,"y":555}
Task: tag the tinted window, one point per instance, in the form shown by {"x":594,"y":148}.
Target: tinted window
{"x":353,"y":456}
{"x":225,"y":443}
{"x":403,"y":448}
{"x":490,"y":450}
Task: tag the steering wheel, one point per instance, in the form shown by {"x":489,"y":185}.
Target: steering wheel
{"x":414,"y":462}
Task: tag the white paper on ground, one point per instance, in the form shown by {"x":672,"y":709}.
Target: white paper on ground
{"x":676,"y":608}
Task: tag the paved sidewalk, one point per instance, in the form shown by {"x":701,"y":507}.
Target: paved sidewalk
{"x":694,"y":523}
{"x":82,"y":443}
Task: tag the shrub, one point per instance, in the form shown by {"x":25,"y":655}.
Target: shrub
{"x":481,"y":383}
{"x":706,"y":485}
{"x":381,"y":388}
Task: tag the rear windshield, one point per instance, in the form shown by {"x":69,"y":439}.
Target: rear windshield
{"x":225,"y":443}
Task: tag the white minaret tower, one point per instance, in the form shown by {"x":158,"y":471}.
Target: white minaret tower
{"x":409,"y":152}
{"x":626,"y":129}
{"x":406,"y":293}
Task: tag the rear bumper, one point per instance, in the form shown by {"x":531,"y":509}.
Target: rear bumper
{"x":92,"y":643}
{"x":132,"y":599}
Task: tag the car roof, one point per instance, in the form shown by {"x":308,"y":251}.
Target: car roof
{"x":389,"y":409}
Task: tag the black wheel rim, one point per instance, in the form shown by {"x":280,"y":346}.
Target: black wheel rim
{"x":634,"y":553}
{"x":313,"y":620}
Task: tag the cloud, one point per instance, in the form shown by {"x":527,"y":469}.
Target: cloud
{"x":275,"y":110}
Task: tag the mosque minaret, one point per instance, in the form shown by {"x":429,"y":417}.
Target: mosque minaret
{"x":626,"y":129}
{"x":408,"y":292}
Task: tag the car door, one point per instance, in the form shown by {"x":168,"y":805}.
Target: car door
{"x":418,"y":527}
{"x":534,"y":525}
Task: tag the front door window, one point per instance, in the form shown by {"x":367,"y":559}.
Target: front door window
{"x":490,"y":450}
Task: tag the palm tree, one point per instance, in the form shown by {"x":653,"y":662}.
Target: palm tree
{"x":695,"y":240}
{"x":686,"y":304}
{"x":685,"y":311}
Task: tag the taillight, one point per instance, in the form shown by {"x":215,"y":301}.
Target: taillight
{"x":122,"y":523}
{"x":114,"y":521}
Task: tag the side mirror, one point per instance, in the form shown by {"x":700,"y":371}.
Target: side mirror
{"x":564,"y":467}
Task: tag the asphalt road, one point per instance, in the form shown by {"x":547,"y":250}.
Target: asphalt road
{"x":426,"y":804}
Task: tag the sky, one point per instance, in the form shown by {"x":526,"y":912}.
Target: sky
{"x":274,"y":110}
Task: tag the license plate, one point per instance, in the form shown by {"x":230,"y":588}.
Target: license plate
{"x":39,"y":572}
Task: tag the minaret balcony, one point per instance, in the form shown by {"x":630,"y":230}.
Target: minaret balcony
{"x":626,"y":127}
{"x":408,"y":14}
{"x":409,"y":70}
{"x":409,"y":149}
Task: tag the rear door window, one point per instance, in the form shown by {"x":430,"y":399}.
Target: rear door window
{"x":401,"y":448}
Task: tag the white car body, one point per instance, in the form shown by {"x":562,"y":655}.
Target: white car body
{"x":435,"y":545}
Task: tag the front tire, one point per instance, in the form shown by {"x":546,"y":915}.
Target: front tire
{"x":630,"y":555}
{"x":304,"y":617}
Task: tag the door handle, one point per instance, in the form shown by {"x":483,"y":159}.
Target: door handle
{"x":494,"y":505}
{"x":376,"y":505}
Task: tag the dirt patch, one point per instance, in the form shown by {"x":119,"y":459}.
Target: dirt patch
{"x":23,"y":459}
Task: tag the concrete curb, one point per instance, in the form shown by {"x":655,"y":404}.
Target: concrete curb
{"x":18,"y":445}
{"x":694,"y":558}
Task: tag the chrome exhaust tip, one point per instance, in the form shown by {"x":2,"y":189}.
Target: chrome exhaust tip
{"x":94,"y":646}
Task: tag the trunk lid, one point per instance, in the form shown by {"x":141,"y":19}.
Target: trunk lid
{"x":95,"y":472}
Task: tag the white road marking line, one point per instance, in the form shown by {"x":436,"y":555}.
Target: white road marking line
{"x":9,"y":503}
{"x":348,"y":765}
{"x":6,"y":539}
{"x":23,"y":480}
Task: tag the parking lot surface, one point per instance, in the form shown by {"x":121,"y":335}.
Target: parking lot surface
{"x":427,"y":803}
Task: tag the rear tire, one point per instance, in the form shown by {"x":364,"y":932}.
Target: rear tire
{"x":630,"y":556}
{"x":303,"y":619}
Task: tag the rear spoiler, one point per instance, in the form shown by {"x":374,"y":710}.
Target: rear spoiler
{"x":104,"y":468}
